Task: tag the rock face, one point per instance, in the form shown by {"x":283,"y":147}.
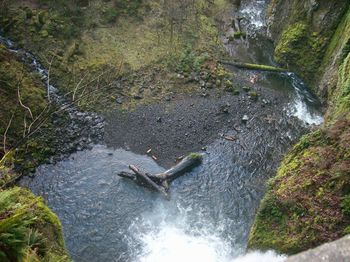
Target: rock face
{"x":337,"y":251}
{"x":308,"y":202}
{"x":302,"y":31}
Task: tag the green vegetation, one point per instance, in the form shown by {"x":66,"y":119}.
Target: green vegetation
{"x":90,"y":44}
{"x":307,"y":203}
{"x":23,"y":109}
{"x":29,"y":231}
{"x":298,"y":48}
{"x":195,"y":156}
{"x":22,"y":97}
{"x":303,"y":33}
{"x":237,"y":35}
{"x":96,"y":51}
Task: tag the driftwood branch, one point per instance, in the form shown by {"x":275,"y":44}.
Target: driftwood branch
{"x":255,"y":66}
{"x":160,"y":182}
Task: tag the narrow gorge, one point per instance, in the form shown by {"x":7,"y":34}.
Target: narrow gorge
{"x":259,"y":90}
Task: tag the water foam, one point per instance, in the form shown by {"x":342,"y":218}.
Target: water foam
{"x":300,"y":107}
{"x":163,"y":236}
{"x":300,"y":110}
{"x":254,"y":12}
{"x":173,"y":244}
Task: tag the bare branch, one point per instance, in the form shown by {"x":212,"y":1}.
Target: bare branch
{"x":5,"y":134}
{"x":20,"y":102}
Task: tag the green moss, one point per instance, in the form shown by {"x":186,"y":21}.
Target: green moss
{"x":305,"y":204}
{"x":345,"y":205}
{"x":195,"y":156}
{"x":300,"y":50}
{"x":237,"y":35}
{"x":347,"y":230}
{"x":27,"y":220}
{"x":253,"y":95}
{"x":303,"y":34}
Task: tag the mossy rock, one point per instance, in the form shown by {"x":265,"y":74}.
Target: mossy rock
{"x":33,"y":216}
{"x":253,"y":95}
{"x":195,"y":156}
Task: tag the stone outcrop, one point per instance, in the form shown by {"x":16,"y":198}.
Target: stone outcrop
{"x":337,"y":251}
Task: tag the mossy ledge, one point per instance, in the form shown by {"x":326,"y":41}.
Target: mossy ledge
{"x":29,"y":230}
{"x":307,"y":203}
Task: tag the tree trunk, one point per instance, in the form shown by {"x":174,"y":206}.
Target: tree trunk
{"x":160,"y":182}
{"x":255,"y":66}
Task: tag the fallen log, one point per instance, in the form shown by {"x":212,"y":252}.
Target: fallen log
{"x":187,"y":163}
{"x":255,"y":66}
{"x":160,"y":182}
{"x":148,"y":181}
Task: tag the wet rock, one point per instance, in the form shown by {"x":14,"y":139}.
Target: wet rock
{"x":209,"y":85}
{"x":235,"y":92}
{"x":265,"y":102}
{"x":225,"y":108}
{"x":167,"y":98}
{"x":137,"y":96}
{"x":336,"y":251}
{"x":193,"y":77}
{"x":246,"y":88}
{"x":180,"y":76}
{"x":159,"y":119}
{"x":253,"y":95}
{"x":245,"y":119}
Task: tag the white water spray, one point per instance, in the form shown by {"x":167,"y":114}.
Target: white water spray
{"x":299,"y":107}
{"x":172,"y":244}
{"x":164,"y":236}
{"x":254,"y":12}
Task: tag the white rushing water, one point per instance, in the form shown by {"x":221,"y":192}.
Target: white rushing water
{"x":163,"y":237}
{"x":174,"y":244}
{"x":300,"y":106}
{"x":254,"y":13}
{"x":300,"y":110}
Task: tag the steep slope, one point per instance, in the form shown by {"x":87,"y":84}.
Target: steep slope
{"x":308,"y":202}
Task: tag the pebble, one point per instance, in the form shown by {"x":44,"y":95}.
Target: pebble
{"x":137,"y":96}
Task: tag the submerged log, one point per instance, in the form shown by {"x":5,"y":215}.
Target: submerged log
{"x":148,"y":181}
{"x":160,"y":182}
{"x":255,"y":66}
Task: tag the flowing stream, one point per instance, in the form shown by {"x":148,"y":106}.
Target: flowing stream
{"x":106,"y":218}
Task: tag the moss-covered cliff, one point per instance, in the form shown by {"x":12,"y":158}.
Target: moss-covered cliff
{"x":308,"y":202}
{"x":302,"y":31}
